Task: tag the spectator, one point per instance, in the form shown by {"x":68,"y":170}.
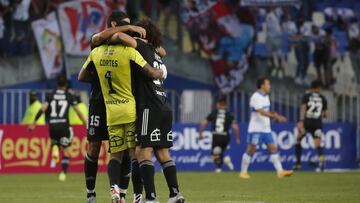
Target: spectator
{"x":331,"y":47}
{"x":273,"y":40}
{"x":5,"y":26}
{"x":320,"y":53}
{"x":21,"y":19}
{"x":354,"y":49}
{"x":39,"y":9}
{"x":302,"y":49}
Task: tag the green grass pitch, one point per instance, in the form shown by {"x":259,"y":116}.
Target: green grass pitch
{"x":196,"y":187}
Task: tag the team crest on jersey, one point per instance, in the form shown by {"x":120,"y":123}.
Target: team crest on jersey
{"x":157,"y":57}
{"x":91,"y":131}
{"x":155,"y":135}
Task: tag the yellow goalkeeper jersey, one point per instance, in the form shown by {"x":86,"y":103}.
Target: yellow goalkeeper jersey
{"x":112,"y":64}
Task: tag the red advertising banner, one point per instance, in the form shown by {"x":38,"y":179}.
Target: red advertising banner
{"x":23,"y":151}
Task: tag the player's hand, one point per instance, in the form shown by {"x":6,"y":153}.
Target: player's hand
{"x":281,"y":118}
{"x":31,"y":127}
{"x":141,"y":31}
{"x":300,"y":125}
{"x":237,"y":141}
{"x":164,"y":70}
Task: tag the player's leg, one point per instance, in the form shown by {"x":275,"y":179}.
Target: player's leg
{"x":117,"y":146}
{"x":91,"y":167}
{"x":125,"y":174}
{"x":147,"y":172}
{"x":298,"y":149}
{"x":216,"y":153}
{"x":275,"y":157}
{"x":252,"y":140}
{"x":317,"y":141}
{"x":55,"y":143}
{"x":170,"y":173}
{"x":245,"y":161}
{"x":136,"y":177}
{"x":65,"y":142}
{"x":226,"y":159}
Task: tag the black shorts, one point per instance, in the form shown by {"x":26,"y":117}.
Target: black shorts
{"x":153,"y":128}
{"x":61,"y":134}
{"x":219,"y":142}
{"x":314,"y":128}
{"x":97,"y":129}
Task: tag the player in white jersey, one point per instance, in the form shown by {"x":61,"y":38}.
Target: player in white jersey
{"x":259,"y":131}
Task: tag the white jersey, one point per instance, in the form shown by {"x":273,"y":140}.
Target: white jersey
{"x":258,"y":122}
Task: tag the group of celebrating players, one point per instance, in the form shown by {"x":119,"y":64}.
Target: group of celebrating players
{"x":128,"y":107}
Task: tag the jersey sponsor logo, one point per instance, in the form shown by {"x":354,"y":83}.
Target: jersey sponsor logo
{"x":108,"y":62}
{"x":117,"y":102}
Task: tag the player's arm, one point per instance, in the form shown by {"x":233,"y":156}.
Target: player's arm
{"x":236,"y":130}
{"x":154,"y":73}
{"x":161,"y":51}
{"x":43,"y":108}
{"x":131,"y":42}
{"x":107,"y":33}
{"x":202,"y":127}
{"x":85,"y":74}
{"x":271,"y":114}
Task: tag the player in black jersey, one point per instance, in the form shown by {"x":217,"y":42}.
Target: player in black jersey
{"x":221,"y":121}
{"x":56,"y":108}
{"x":312,"y":111}
{"x":154,"y":121}
{"x":97,"y":128}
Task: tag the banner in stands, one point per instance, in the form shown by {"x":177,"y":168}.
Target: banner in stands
{"x":47,"y":35}
{"x":79,"y":20}
{"x":216,"y":29}
{"x":30,"y":152}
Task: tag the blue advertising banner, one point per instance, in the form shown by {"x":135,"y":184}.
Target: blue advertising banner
{"x":339,"y":142}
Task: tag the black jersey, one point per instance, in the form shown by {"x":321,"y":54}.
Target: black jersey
{"x":315,"y":104}
{"x":149,"y":93}
{"x":221,"y":121}
{"x":59,"y":103}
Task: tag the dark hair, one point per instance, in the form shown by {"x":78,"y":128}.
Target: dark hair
{"x":316,"y":84}
{"x":221,"y":99}
{"x":153,"y":34}
{"x":62,"y":81}
{"x":118,"y":17}
{"x":260,"y":81}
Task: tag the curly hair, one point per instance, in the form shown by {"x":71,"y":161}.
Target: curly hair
{"x":153,"y":34}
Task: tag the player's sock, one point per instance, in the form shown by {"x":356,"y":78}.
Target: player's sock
{"x":124,"y":176}
{"x":147,"y":173}
{"x":245,"y":162}
{"x":275,"y":159}
{"x":219,"y":162}
{"x":136,"y":177}
{"x":114,"y":170}
{"x":298,"y":150}
{"x":64,"y":164}
{"x":169,"y":169}
{"x":90,"y":169}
